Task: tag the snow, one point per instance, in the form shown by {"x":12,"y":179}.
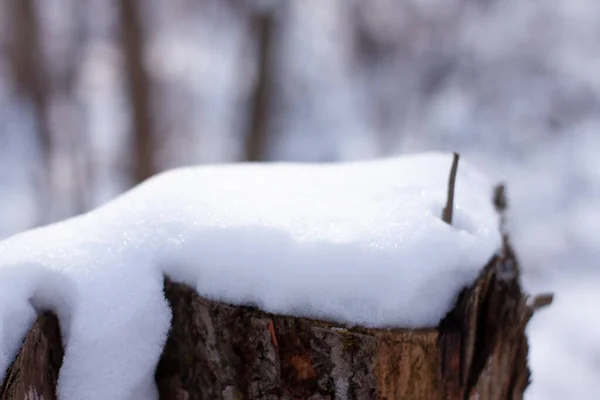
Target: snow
{"x":565,"y":338}
{"x":357,"y":243}
{"x":553,"y":191}
{"x":519,"y":101}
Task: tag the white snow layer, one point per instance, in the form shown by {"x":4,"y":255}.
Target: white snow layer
{"x":359,"y":243}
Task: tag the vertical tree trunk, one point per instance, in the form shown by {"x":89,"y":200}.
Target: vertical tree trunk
{"x":27,"y":63}
{"x":258,"y":127}
{"x":27,"y":67}
{"x":138,"y":89}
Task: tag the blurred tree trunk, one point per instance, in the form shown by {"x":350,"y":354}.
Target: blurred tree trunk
{"x":262,"y":23}
{"x":27,"y":67}
{"x":27,"y":63}
{"x":77,"y":132}
{"x":138,"y":81}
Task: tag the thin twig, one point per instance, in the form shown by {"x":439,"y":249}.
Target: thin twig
{"x":447,"y":213}
{"x":542,"y":300}
{"x":500,"y":201}
{"x":501,"y":204}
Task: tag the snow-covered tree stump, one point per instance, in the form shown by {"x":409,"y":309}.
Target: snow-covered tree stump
{"x":478,"y":350}
{"x":220,"y":351}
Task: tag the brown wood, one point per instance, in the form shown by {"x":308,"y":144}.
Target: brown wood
{"x":219,"y":351}
{"x":34,"y":373}
{"x":449,"y":208}
{"x":237,"y":352}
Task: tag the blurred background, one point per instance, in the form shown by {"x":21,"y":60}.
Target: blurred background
{"x":97,"y":95}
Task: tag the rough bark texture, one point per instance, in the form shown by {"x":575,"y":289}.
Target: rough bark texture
{"x":34,"y":372}
{"x":482,"y":341}
{"x":479,"y":350}
{"x":217,"y":351}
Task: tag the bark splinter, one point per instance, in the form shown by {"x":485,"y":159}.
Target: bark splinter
{"x":447,"y":213}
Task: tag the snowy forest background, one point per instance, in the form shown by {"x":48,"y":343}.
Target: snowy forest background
{"x":95,"y":96}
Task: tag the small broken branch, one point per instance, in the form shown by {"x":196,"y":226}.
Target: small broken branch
{"x":447,"y":213}
{"x":501,"y":205}
{"x":500,"y":201}
{"x":542,"y":300}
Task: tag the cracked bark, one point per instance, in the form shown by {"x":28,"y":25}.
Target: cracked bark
{"x":479,"y":350}
{"x":218,"y":351}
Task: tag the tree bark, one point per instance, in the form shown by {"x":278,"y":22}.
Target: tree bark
{"x":218,"y":351}
{"x":34,"y":373}
{"x":479,"y":350}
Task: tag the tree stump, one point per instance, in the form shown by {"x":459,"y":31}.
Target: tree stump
{"x":34,"y":373}
{"x":219,"y":351}
{"x":479,"y":350}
